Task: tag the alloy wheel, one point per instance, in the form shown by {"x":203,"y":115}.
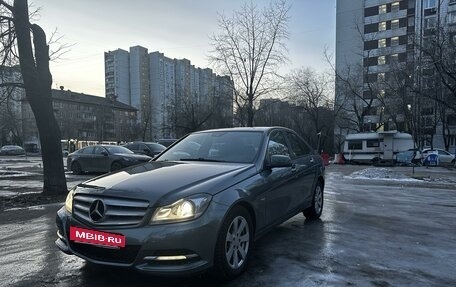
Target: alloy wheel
{"x":237,"y":242}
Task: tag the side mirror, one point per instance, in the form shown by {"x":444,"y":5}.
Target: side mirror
{"x":146,"y":151}
{"x":279,"y":161}
{"x":105,"y":153}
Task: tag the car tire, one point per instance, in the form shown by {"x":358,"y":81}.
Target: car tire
{"x":315,"y":210}
{"x":76,"y":168}
{"x":234,"y":244}
{"x":116,"y":166}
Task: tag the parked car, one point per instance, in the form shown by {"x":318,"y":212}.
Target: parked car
{"x":102,"y":158}
{"x":201,"y":203}
{"x":166,"y":142}
{"x":147,"y":148}
{"x":444,"y":157}
{"x":410,"y":156}
{"x":12,"y":150}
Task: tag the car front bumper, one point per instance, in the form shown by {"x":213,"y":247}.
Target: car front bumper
{"x":166,"y":249}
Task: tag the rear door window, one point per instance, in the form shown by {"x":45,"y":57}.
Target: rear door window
{"x":87,"y":150}
{"x":99,"y":150}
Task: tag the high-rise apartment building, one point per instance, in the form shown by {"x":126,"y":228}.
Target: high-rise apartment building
{"x":172,"y":95}
{"x":117,"y":75}
{"x":162,"y":92}
{"x":383,"y":71}
{"x":139,"y":81}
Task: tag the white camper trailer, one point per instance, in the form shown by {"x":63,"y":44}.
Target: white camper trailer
{"x":375,"y":147}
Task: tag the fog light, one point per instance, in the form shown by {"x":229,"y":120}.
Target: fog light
{"x":170,"y":258}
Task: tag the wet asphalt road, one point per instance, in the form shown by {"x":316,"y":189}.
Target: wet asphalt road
{"x":370,"y":234}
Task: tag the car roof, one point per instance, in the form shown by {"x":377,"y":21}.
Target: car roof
{"x":244,"y":129}
{"x":101,"y":145}
{"x":138,"y":142}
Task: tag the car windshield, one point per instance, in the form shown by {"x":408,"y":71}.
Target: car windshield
{"x":117,"y":149}
{"x":156,"y":147}
{"x":217,"y":146}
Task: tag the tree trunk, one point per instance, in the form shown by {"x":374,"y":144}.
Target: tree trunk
{"x":250,"y":111}
{"x":37,"y":81}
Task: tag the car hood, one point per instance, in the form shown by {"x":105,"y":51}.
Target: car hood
{"x":162,"y":183}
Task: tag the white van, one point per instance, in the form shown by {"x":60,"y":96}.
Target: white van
{"x":373,"y":147}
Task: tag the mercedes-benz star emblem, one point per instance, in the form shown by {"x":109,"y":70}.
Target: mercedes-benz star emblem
{"x":97,"y":210}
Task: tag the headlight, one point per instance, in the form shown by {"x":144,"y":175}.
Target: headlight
{"x":69,"y":201}
{"x":182,"y":210}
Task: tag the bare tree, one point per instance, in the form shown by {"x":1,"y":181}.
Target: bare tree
{"x":188,"y":113}
{"x":437,"y":83}
{"x":10,"y":97}
{"x":250,"y":48}
{"x":311,"y":91}
{"x":17,"y":33}
{"x":279,"y":112}
{"x":146,"y":120}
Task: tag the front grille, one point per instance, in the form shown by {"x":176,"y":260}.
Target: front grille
{"x":124,"y":255}
{"x":117,"y":212}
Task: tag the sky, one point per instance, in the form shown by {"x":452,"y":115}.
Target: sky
{"x":177,"y":28}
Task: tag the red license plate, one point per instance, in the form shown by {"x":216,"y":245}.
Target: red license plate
{"x":83,"y":235}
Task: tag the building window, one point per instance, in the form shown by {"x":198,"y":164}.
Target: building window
{"x":411,"y":21}
{"x":381,"y":93}
{"x":382,"y":43}
{"x":429,"y":4}
{"x":395,"y":24}
{"x":381,"y":60}
{"x":430,"y":22}
{"x":382,"y":26}
{"x":382,"y":9}
{"x":394,"y":41}
{"x":381,"y":77}
{"x":427,"y":42}
{"x":452,"y":17}
{"x":395,"y":7}
{"x":394,"y":58}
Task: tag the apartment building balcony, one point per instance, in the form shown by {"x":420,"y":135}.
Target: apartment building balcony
{"x":387,"y":34}
{"x":385,"y":17}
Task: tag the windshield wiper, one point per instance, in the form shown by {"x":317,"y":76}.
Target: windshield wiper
{"x":201,"y":159}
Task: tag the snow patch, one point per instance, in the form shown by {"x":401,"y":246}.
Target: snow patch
{"x":380,"y":174}
{"x":15,"y":173}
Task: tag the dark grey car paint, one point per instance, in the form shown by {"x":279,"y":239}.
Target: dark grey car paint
{"x":271,"y":195}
